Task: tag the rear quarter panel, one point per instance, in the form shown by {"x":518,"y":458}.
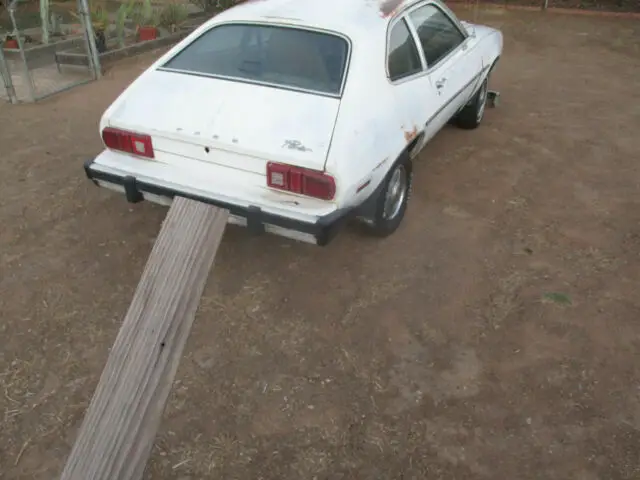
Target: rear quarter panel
{"x":368,"y":135}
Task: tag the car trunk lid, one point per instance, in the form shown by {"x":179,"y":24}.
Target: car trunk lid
{"x":196,"y":117}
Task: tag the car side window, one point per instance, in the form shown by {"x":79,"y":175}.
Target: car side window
{"x":438,"y":34}
{"x":403,"y":57}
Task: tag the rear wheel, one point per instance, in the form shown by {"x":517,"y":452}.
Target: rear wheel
{"x":471,"y":115}
{"x":392,"y":201}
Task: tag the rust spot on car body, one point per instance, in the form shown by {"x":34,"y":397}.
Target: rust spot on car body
{"x":388,"y":7}
{"x":411,"y":134}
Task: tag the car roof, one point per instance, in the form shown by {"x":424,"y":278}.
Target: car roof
{"x":348,"y":17}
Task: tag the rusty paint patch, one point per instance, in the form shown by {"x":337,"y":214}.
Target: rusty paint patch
{"x":411,"y":134}
{"x":388,"y":7}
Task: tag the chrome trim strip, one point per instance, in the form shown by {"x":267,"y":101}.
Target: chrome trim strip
{"x":446,"y":104}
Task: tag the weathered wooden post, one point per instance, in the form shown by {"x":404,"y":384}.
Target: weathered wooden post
{"x":116,"y":436}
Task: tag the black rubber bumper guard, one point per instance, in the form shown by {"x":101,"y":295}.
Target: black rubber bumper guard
{"x":323,"y":230}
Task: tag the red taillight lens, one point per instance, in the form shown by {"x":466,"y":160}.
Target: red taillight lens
{"x":128,"y":142}
{"x":301,"y":180}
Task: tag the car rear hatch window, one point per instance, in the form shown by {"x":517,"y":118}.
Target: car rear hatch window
{"x":279,"y":56}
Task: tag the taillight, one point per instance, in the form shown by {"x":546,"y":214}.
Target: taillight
{"x":128,"y":142}
{"x":301,"y":180}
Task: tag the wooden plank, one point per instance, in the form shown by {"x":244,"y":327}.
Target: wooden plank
{"x":116,"y":436}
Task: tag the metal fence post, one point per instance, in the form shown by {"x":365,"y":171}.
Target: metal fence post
{"x":90,"y":39}
{"x":30,"y":85}
{"x":5,"y":73}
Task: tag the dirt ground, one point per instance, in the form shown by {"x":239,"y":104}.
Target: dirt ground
{"x":495,"y":336}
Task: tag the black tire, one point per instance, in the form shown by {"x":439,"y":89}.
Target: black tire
{"x":472,"y":114}
{"x":381,"y":223}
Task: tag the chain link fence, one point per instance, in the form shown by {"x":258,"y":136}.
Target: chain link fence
{"x":37,"y":62}
{"x":30,"y":60}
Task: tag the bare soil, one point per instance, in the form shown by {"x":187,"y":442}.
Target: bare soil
{"x":494,"y":336}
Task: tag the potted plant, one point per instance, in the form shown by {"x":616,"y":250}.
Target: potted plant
{"x":172,"y":16}
{"x":122,"y":15}
{"x":100,"y":23}
{"x":215,"y":5}
{"x":11,"y":42}
{"x":147,"y":20}
{"x":55,"y":25}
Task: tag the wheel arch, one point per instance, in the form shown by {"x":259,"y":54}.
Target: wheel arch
{"x":494,"y":63}
{"x":412,"y":148}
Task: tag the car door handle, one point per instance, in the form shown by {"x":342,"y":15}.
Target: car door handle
{"x":440,"y":83}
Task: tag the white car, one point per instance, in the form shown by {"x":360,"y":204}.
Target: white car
{"x":296,"y":115}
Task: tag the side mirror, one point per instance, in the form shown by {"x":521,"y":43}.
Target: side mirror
{"x":472,"y":31}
